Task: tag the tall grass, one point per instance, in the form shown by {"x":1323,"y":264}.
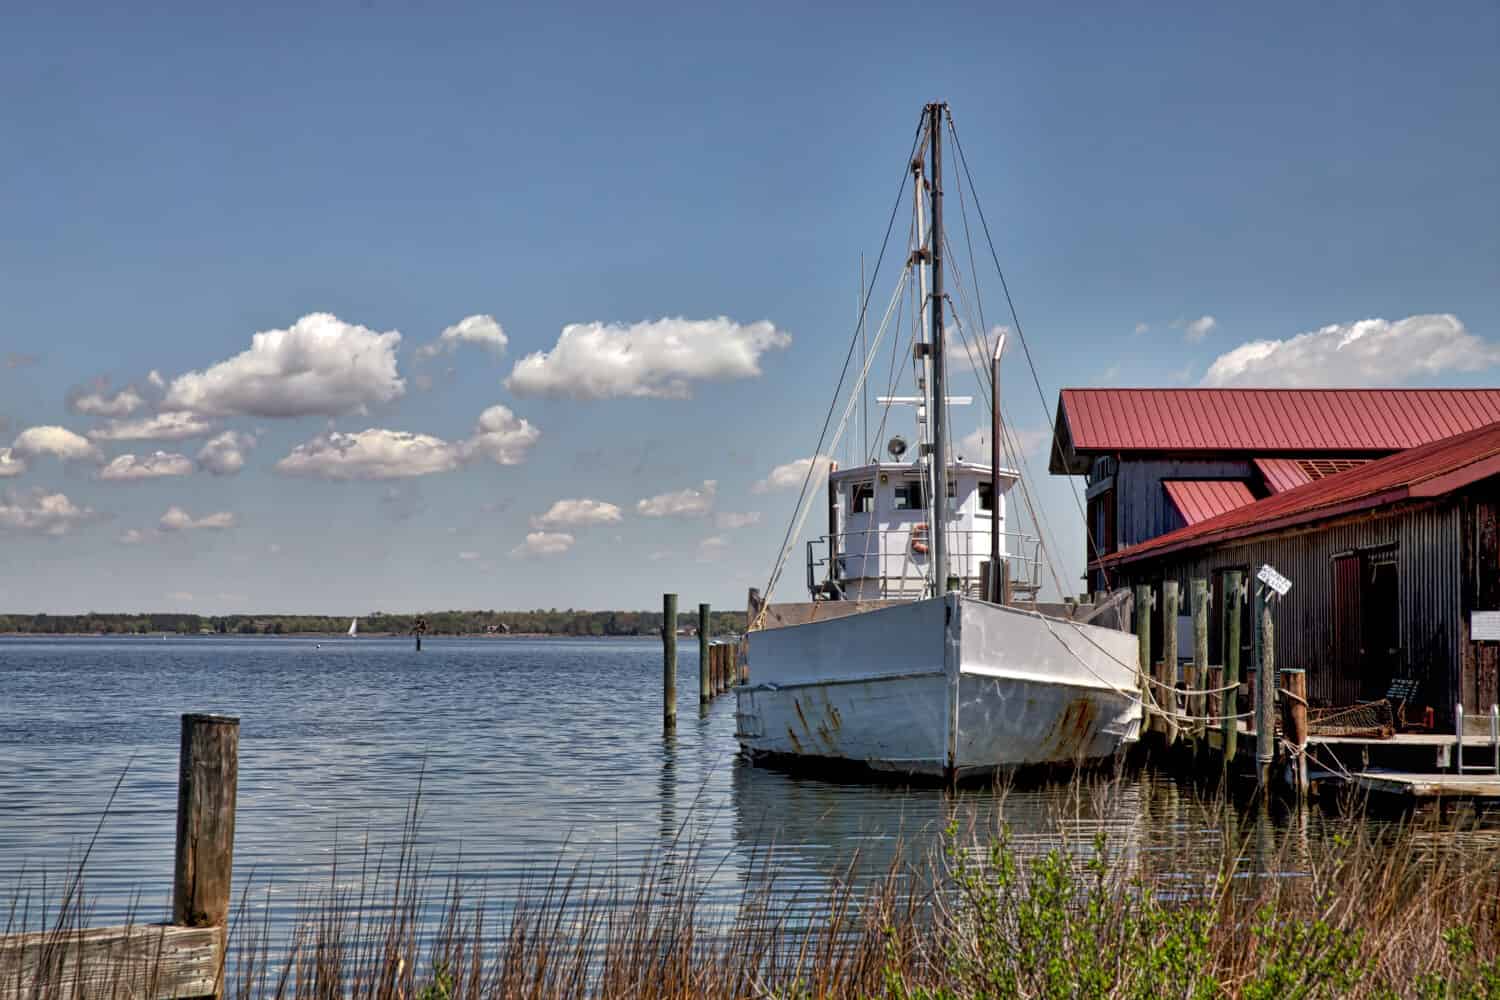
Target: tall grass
{"x":1373,"y":911}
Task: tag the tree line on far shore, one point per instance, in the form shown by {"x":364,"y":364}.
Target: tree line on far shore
{"x":538,"y":622}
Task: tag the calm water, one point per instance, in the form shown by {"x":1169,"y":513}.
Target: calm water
{"x":525,"y":751}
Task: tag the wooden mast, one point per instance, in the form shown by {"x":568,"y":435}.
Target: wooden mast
{"x":938,"y":408}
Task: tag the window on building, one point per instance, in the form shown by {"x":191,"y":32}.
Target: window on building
{"x":862,"y":498}
{"x":908,"y":495}
{"x":952,"y":489}
{"x":986,"y":496}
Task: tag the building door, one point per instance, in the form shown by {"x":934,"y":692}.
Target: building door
{"x":1347,"y":632}
{"x":1380,"y":620}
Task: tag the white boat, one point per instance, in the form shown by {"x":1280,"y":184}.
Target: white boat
{"x":353,"y":632}
{"x":913,"y":656}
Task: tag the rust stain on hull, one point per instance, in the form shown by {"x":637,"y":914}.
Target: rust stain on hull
{"x":1071,"y":735}
{"x":796,"y":743}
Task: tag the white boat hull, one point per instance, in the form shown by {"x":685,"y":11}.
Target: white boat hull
{"x":943,"y":687}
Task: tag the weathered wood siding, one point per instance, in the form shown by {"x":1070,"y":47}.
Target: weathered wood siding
{"x":146,"y":962}
{"x":1143,"y":510}
{"x":1427,"y":540}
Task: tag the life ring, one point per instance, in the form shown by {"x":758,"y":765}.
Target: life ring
{"x":919,"y":539}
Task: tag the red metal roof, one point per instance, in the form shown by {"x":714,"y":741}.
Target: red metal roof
{"x":1431,"y":470}
{"x":1200,"y":499}
{"x":1282,"y":474}
{"x":1265,"y":420}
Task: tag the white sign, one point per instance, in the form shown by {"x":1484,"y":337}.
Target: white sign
{"x":1484,"y":626}
{"x":1274,"y":580}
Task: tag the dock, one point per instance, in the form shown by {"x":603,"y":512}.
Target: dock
{"x":1417,"y":786}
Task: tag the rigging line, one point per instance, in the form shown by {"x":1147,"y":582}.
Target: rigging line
{"x":1025,"y":345}
{"x":1045,"y":535}
{"x":853,"y":340}
{"x":804,"y":509}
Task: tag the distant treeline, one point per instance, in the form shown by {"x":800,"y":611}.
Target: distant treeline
{"x":549,"y":622}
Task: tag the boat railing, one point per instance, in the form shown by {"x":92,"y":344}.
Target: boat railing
{"x":889,"y":563}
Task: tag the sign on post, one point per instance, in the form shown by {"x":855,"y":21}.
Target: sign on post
{"x":1484,"y":626}
{"x":1274,"y":580}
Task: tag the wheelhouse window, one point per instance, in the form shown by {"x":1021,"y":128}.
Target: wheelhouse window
{"x":986,"y":496}
{"x":862,"y":498}
{"x":908,"y":496}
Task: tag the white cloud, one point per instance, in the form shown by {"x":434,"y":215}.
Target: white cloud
{"x":153,"y":466}
{"x":177,"y":519}
{"x":712,"y":547}
{"x":320,"y":365}
{"x":376,"y":453}
{"x":156,"y":381}
{"x":11,"y":464}
{"x":40,"y":513}
{"x":468,"y":556}
{"x":95,"y":402}
{"x":1142,"y":327}
{"x":577,"y":514}
{"x":690,"y":502}
{"x":56,"y":441}
{"x":656,"y":359}
{"x":731,"y":520}
{"x":1196,"y":330}
{"x":1366,"y":353}
{"x":792,"y":475}
{"x":170,"y":425}
{"x":975,"y":446}
{"x":543,"y":543}
{"x":481,"y":330}
{"x":964,"y":356}
{"x":224,"y":455}
{"x":135,"y":536}
{"x":501,"y":436}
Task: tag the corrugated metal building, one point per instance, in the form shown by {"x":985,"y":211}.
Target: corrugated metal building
{"x":1389,"y":560}
{"x":1158,"y":460}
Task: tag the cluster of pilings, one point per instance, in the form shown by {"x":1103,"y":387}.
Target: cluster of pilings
{"x":1205,"y":708}
{"x":717,"y":661}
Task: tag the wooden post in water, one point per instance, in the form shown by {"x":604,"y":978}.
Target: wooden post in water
{"x":1198,"y":704}
{"x":1233,"y":598}
{"x":1214,"y":702}
{"x":208,"y":767}
{"x":1167,"y":691}
{"x":706,"y":687}
{"x":669,"y":662}
{"x":1294,"y":722}
{"x":1142,"y":614}
{"x":1265,"y":699}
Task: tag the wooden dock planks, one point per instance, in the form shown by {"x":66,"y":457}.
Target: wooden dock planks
{"x":145,"y":961}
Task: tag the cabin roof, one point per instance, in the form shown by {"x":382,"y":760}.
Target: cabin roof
{"x":912,"y":469}
{"x":1260,"y":421}
{"x":1430,"y":470}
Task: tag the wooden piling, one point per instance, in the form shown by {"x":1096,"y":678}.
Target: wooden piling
{"x":705,"y":678}
{"x":1213,"y":703}
{"x":1294,"y":722}
{"x":1233,"y":602}
{"x":1198,"y":704}
{"x":1265,"y":701}
{"x":669,"y":662}
{"x":1142,"y":614}
{"x":1167,"y":691}
{"x":208,"y":766}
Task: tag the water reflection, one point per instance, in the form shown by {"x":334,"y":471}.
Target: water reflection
{"x":530,"y":754}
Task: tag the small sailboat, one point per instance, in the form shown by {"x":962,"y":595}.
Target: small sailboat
{"x":923,"y":650}
{"x":353,"y":632}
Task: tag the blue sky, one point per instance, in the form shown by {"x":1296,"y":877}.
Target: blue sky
{"x":173,"y":183}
